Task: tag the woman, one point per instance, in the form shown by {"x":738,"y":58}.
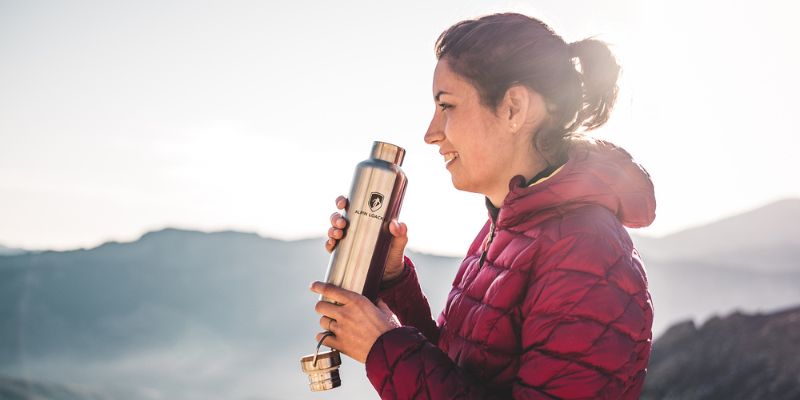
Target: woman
{"x":551,"y":299}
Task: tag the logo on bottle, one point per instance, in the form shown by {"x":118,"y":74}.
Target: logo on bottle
{"x":375,"y":201}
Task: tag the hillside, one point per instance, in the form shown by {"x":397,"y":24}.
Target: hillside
{"x":176,"y":314}
{"x":191,"y":315}
{"x":738,"y":357}
{"x":10,"y":251}
{"x":767,"y":238}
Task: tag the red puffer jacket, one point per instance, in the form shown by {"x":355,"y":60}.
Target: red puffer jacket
{"x":557,"y":309}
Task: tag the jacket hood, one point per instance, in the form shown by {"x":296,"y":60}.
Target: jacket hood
{"x":596,"y":172}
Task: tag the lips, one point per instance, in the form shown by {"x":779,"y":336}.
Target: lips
{"x":450,"y":156}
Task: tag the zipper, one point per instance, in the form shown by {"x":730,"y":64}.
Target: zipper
{"x":486,"y":245}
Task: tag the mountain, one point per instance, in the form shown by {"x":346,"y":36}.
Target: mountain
{"x":20,"y":389}
{"x":739,"y":357}
{"x":764,"y":239}
{"x":192,"y":315}
{"x":176,"y":314}
{"x":10,"y":251}
{"x":748,"y":262}
{"x":700,"y":289}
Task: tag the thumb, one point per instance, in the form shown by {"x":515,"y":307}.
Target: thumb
{"x":399,"y":230}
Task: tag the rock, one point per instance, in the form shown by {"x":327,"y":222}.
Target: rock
{"x":736,"y":357}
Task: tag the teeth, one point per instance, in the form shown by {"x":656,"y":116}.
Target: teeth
{"x":450,"y":156}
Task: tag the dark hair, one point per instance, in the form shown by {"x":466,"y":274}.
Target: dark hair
{"x":498,"y":51}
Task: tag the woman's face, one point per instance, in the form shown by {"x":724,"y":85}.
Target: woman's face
{"x":473,"y":141}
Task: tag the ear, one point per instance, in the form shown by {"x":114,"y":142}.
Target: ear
{"x":515,"y":107}
{"x":522,"y":107}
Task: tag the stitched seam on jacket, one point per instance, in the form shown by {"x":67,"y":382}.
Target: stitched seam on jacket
{"x":584,"y":364}
{"x":538,"y":389}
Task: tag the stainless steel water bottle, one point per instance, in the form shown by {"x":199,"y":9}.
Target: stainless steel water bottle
{"x":376,"y":196}
{"x":357,"y":263}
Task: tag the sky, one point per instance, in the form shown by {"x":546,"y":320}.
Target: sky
{"x":118,"y":118}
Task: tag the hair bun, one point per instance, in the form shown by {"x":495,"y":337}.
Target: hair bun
{"x":599,"y":72}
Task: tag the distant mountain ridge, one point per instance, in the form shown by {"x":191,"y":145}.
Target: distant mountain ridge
{"x":182,"y":314}
{"x":767,"y":238}
{"x":20,"y":389}
{"x":175,"y":303}
{"x":10,"y":251}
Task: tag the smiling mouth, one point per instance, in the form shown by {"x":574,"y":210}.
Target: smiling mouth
{"x":448,"y":157}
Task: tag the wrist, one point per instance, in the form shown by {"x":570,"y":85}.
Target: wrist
{"x":394,"y":276}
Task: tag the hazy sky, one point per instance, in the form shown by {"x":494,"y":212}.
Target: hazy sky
{"x":121,"y":117}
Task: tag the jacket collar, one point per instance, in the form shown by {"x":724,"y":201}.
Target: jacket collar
{"x":542,"y":176}
{"x":596,"y":172}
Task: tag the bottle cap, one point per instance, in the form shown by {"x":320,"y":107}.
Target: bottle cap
{"x":388,"y":152}
{"x":322,"y":370}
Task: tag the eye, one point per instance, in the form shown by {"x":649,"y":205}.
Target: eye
{"x":444,"y":106}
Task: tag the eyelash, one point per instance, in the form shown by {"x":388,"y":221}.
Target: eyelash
{"x":444,"y":106}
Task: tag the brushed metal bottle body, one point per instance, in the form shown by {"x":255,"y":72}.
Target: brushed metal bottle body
{"x":376,"y":195}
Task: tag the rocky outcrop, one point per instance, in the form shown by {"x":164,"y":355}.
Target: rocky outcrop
{"x":736,"y":357}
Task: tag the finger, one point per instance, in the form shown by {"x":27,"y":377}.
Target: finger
{"x":335,"y":217}
{"x":341,"y":202}
{"x":338,"y":221}
{"x":327,"y":323}
{"x":335,"y":233}
{"x":328,"y":309}
{"x":330,"y":244}
{"x":335,"y":293}
{"x":330,"y":341}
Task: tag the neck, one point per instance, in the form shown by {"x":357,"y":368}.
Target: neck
{"x":529,"y":168}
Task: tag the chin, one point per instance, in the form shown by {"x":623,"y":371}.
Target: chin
{"x":462,"y":186}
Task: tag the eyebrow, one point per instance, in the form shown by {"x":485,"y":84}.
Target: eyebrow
{"x":441,"y":92}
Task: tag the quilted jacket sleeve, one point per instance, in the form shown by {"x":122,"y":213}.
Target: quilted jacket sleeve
{"x":584,"y":335}
{"x":404,"y":297}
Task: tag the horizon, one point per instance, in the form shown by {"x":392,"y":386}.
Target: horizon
{"x":321,"y":238}
{"x":118,"y":120}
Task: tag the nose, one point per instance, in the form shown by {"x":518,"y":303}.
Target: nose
{"x":435,"y":131}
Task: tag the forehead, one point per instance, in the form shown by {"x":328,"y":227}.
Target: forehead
{"x":445,"y":79}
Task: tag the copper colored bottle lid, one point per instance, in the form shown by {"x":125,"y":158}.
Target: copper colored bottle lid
{"x":388,"y":152}
{"x":323,"y":375}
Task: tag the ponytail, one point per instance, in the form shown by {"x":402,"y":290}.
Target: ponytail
{"x":599,"y":72}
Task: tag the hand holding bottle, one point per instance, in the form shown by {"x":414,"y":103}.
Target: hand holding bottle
{"x":399,"y":231}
